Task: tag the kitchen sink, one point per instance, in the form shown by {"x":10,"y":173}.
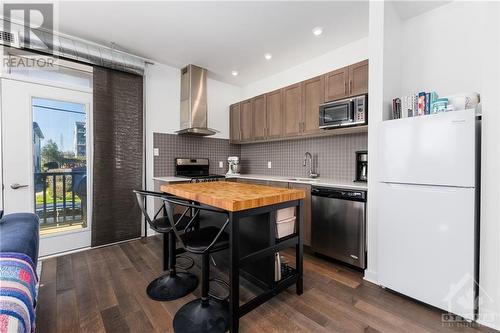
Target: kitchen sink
{"x":303,"y":179}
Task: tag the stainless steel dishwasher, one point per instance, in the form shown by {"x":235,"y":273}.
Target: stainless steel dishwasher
{"x":338,"y":225}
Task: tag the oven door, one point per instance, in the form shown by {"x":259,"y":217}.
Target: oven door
{"x":336,"y":114}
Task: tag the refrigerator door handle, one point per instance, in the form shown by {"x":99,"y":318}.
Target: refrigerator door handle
{"x":430,"y":186}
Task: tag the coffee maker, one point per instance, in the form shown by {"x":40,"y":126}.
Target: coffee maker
{"x":234,"y":165}
{"x":361,"y":166}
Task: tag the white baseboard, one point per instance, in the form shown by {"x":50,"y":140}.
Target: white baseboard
{"x":64,"y":253}
{"x":371,"y":277}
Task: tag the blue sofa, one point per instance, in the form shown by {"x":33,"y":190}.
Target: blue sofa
{"x":19,"y":232}
{"x":19,"y":238}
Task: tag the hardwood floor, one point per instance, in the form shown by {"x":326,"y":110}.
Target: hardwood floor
{"x":103,"y":290}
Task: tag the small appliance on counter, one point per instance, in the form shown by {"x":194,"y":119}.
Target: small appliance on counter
{"x":234,"y":166}
{"x":361,"y":166}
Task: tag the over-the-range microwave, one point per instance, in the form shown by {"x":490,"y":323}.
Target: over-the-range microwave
{"x":347,"y":112}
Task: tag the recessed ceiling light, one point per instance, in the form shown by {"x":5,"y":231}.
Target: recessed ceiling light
{"x":268,"y":56}
{"x":317,"y":31}
{"x":234,"y":73}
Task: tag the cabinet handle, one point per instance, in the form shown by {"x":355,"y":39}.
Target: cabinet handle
{"x":350,"y":86}
{"x":345,"y":87}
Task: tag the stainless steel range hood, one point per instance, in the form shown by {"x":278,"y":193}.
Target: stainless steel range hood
{"x":194,"y":102}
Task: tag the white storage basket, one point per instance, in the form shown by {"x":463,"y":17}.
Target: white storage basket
{"x":285,"y":227}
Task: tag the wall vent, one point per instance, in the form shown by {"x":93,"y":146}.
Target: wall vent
{"x":9,"y":39}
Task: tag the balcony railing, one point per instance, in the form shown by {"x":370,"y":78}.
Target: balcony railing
{"x":61,"y":198}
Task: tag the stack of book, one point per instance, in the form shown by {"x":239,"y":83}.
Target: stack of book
{"x":413,"y":105}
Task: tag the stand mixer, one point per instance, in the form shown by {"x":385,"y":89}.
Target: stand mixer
{"x":234,"y":165}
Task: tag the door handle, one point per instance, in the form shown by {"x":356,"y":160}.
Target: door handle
{"x":16,"y":186}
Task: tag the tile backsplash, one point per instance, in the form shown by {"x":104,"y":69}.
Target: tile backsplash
{"x":171,"y":146}
{"x":333,"y":156}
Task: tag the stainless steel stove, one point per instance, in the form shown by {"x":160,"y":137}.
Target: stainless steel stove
{"x":197,"y":169}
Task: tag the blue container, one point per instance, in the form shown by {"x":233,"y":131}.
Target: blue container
{"x":439,"y":105}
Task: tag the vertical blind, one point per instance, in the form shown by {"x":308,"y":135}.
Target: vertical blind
{"x":118,"y":155}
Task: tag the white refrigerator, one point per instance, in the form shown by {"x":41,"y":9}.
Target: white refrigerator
{"x":428,"y":212}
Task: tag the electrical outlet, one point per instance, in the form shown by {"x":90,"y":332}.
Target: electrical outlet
{"x":156,"y":152}
{"x":221,"y":164}
{"x":269,"y":165}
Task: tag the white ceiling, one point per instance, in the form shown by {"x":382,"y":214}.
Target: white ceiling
{"x":410,"y":8}
{"x":220,"y":36}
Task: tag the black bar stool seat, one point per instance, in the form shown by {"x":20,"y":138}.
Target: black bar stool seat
{"x":197,"y":241}
{"x":174,"y":284}
{"x":206,"y":314}
{"x":162,"y":224}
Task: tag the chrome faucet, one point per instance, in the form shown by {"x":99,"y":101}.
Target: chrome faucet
{"x":308,"y":156}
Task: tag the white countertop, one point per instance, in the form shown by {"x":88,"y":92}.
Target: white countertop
{"x":172,"y":179}
{"x":327,"y":182}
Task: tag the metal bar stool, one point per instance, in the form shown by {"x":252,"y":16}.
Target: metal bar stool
{"x":174,"y":284}
{"x":208,"y":313}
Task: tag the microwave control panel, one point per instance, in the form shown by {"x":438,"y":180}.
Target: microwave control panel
{"x":359,"y":110}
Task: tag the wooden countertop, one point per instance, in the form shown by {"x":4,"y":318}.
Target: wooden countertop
{"x":233,"y":196}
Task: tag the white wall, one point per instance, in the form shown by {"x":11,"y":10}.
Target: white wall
{"x":440,"y":50}
{"x":162,"y":99}
{"x":338,"y":58}
{"x":489,"y":274}
{"x":375,"y":107}
{"x":469,"y":61}
{"x":220,"y":96}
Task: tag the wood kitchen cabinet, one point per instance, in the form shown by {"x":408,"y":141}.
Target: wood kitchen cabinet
{"x":246,"y":120}
{"x":336,"y":84}
{"x":252,"y":181}
{"x":358,"y":78}
{"x":312,"y":98}
{"x":292,"y":109}
{"x":346,"y":82}
{"x":274,"y":114}
{"x":259,"y":118}
{"x":263,"y":182}
{"x":307,"y":210}
{"x":277,"y":184}
{"x":234,"y":123}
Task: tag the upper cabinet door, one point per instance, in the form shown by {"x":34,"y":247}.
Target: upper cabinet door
{"x":312,"y":98}
{"x":259,"y":117}
{"x":246,"y":120}
{"x":274,"y":114}
{"x":234,"y":122}
{"x":292,"y":109}
{"x":336,"y":84}
{"x":358,"y":78}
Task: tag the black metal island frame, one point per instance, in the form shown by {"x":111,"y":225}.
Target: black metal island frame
{"x":253,"y":240}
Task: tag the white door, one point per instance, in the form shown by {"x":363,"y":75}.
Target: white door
{"x":426,"y":246}
{"x":46,"y":156}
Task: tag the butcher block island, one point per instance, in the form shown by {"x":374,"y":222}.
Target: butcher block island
{"x":254,"y":242}
{"x":232,"y":196}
